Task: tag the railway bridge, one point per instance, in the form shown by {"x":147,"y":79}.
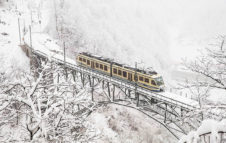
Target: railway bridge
{"x":168,"y":109}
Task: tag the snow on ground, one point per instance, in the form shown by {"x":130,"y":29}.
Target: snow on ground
{"x":217,"y":96}
{"x":42,"y":42}
{"x":11,"y":56}
{"x":118,"y":124}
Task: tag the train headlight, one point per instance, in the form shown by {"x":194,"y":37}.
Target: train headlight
{"x":162,"y":88}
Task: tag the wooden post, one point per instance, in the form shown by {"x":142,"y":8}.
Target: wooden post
{"x":19,"y":30}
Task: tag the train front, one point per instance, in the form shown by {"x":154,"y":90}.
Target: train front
{"x":159,"y":81}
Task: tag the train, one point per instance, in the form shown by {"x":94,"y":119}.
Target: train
{"x":150,"y":80}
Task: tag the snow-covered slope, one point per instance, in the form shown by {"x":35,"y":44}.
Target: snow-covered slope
{"x":12,"y":57}
{"x":117,"y":124}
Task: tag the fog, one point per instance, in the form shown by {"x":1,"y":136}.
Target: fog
{"x":157,"y":33}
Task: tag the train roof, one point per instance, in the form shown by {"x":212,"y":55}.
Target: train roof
{"x":97,"y":57}
{"x":147,"y":71}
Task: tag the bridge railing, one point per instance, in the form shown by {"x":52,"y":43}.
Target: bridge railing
{"x":119,"y":82}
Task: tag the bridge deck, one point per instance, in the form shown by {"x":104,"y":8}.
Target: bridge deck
{"x":41,"y":48}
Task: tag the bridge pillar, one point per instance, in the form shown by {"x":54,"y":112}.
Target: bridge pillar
{"x":103,"y":84}
{"x":82,"y":79}
{"x":35,"y":66}
{"x":91,"y":84}
{"x":129,"y":93}
{"x":181,"y":112}
{"x":92,"y":89}
{"x":66,"y":74}
{"x":138,"y":98}
{"x":113,"y":92}
{"x":165,"y":113}
{"x":74,"y":75}
{"x":109,"y":90}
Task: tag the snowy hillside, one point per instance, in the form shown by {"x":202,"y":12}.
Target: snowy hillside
{"x":119,"y":124}
{"x":12,"y":57}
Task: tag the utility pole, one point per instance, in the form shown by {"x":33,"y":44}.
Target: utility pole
{"x":56,"y":18}
{"x":65,"y":61}
{"x":31,"y":17}
{"x":19,"y":30}
{"x":30,"y":37}
{"x":136,"y":78}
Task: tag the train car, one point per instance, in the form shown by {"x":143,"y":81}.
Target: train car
{"x":93,"y":62}
{"x":146,"y":79}
{"x":149,"y":80}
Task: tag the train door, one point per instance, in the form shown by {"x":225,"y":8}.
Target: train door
{"x":130,"y":77}
{"x":92,"y":64}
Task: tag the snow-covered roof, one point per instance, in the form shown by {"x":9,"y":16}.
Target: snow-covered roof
{"x":210,"y":127}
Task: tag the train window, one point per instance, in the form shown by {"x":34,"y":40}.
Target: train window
{"x":146,"y":80}
{"x":97,"y":65}
{"x":80,"y":59}
{"x":141,"y":78}
{"x":124,"y":74}
{"x":114,"y":71}
{"x":119,"y":72}
{"x":88,"y":62}
{"x":135,"y":77}
{"x":84,"y":60}
{"x":105,"y":68}
{"x":101,"y":66}
{"x":153,"y":82}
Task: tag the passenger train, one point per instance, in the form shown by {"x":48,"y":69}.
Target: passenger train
{"x":146,"y":79}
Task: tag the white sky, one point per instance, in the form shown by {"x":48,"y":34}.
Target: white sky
{"x":152,"y":31}
{"x":161,"y":28}
{"x":193,"y":23}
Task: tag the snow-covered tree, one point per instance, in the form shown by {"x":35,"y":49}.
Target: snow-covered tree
{"x":43,"y":109}
{"x":211,"y":67}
